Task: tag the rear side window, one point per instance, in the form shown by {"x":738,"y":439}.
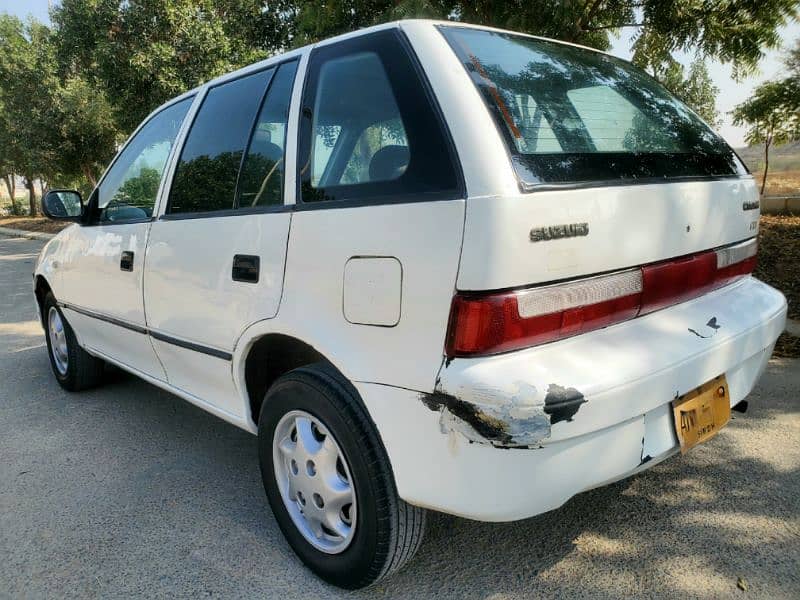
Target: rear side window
{"x":205,"y":178}
{"x":369,"y":129}
{"x":573,"y":115}
{"x":261,"y":179}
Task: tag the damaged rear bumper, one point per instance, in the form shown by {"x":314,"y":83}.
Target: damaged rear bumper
{"x":510,"y":436}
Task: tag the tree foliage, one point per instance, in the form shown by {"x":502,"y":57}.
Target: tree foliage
{"x":23,"y":57}
{"x":731,"y":31}
{"x":144,"y":52}
{"x":696,"y":89}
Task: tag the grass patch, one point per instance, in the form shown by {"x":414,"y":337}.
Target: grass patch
{"x":779,"y":266}
{"x":40,"y":224}
{"x":781,"y":183}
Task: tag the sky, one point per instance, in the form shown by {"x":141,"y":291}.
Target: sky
{"x":731,"y":92}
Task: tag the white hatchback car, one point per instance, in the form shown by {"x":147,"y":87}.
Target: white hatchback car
{"x":397,"y":254}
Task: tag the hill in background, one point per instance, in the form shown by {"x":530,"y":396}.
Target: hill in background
{"x":781,"y":158}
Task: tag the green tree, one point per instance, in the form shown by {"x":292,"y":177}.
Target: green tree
{"x":81,"y":130}
{"x":144,"y":52}
{"x":772,"y":115}
{"x":696,"y":89}
{"x":7,"y":167}
{"x":22,"y":99}
{"x":54,"y":129}
{"x":731,"y":31}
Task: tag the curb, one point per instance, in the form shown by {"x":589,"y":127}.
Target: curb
{"x":31,"y":235}
{"x":793,"y":327}
{"x":780,"y":205}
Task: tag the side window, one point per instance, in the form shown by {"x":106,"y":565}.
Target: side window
{"x":128,"y":191}
{"x":368,"y":128}
{"x":324,"y":140}
{"x":380,"y":154}
{"x":205,"y":178}
{"x":262,"y":176}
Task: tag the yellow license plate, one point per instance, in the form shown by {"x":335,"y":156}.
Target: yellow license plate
{"x":700,"y":414}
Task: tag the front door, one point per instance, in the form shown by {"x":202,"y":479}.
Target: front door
{"x":100,"y":276}
{"x":215,"y":259}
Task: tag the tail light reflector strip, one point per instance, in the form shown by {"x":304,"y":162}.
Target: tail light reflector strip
{"x":482,"y":324}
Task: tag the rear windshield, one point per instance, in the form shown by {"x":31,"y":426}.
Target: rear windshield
{"x":571,"y":115}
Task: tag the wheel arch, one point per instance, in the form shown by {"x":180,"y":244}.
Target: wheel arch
{"x":41,"y":288}
{"x":269,"y":356}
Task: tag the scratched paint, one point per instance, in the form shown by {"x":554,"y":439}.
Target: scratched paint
{"x":503,"y":418}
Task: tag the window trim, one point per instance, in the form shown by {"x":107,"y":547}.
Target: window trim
{"x":92,"y":220}
{"x":459,"y":192}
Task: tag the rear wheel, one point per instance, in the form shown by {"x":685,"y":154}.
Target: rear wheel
{"x":74,"y":368}
{"x":329,"y":481}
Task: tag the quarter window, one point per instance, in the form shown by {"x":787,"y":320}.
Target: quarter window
{"x":369,"y":129}
{"x":261,"y":179}
{"x":128,"y":192}
{"x":205,"y":178}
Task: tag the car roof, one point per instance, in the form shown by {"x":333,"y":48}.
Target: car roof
{"x":297,"y":52}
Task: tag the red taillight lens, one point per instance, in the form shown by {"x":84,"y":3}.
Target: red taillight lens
{"x":491,"y":323}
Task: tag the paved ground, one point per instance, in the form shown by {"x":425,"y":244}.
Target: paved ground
{"x":129,"y":491}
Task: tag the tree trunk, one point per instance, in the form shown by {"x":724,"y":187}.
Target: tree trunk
{"x":766,"y":164}
{"x":9,"y":181}
{"x":31,"y":196}
{"x":88,"y":172}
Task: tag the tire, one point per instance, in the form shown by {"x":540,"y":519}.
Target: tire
{"x":74,"y":368}
{"x":385,"y":531}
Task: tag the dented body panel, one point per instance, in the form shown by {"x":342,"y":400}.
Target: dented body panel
{"x":510,"y":436}
{"x":578,"y":375}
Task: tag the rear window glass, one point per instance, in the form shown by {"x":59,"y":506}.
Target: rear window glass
{"x":572,"y":115}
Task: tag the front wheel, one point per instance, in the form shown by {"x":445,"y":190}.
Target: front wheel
{"x":74,"y":368}
{"x":329,"y":481}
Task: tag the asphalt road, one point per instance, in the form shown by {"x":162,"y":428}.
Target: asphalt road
{"x":129,"y":491}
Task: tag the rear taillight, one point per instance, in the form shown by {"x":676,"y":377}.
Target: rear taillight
{"x":497,"y":322}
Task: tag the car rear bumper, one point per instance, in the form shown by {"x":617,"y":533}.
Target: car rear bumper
{"x":511,"y":436}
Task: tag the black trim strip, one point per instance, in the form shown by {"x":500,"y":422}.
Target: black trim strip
{"x":228,"y":212}
{"x":154,"y":334}
{"x":191,"y":346}
{"x":112,"y":320}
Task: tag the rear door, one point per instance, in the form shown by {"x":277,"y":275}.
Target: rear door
{"x":216,"y":256}
{"x":103,"y":261}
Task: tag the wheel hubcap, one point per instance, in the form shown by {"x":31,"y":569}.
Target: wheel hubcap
{"x":315,"y":482}
{"x":58,"y":340}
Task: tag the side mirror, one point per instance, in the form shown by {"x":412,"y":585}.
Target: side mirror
{"x":65,"y":205}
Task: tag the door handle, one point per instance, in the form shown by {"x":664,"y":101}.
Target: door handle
{"x":126,"y":261}
{"x":245,"y":268}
